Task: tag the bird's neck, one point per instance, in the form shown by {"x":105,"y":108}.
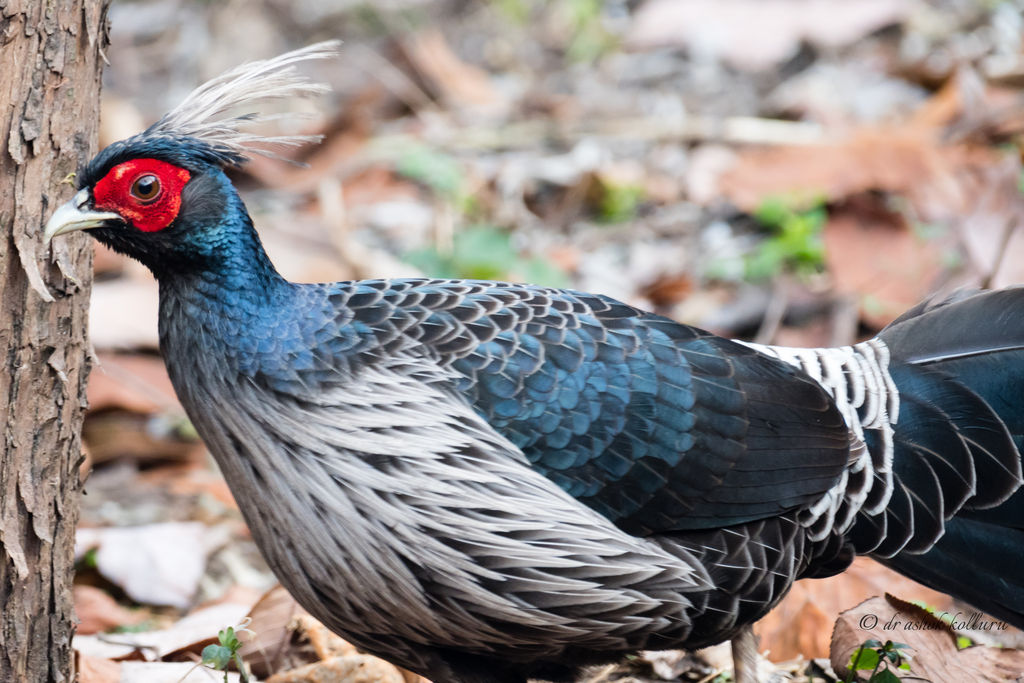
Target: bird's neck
{"x":223,"y":302}
{"x":233,"y":270}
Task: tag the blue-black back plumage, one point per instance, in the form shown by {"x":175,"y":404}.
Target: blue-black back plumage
{"x":656,"y":425}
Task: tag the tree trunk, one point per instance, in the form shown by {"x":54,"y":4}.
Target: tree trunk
{"x":50,"y":52}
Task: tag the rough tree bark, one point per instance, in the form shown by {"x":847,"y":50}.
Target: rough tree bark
{"x":50,"y":62}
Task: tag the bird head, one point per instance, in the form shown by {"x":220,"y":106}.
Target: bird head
{"x":162,"y":196}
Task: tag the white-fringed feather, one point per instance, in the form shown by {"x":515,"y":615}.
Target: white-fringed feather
{"x":210,"y":113}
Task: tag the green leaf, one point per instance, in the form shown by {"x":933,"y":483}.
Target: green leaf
{"x":540,"y":272}
{"x":483,"y":253}
{"x":772,"y":212}
{"x":619,"y":203}
{"x":797,"y":241}
{"x":864,"y":659}
{"x":228,"y":639}
{"x":872,"y":304}
{"x":436,"y":170}
{"x":589,"y":39}
{"x":217,"y":656}
{"x":89,"y":558}
{"x":141,"y":627}
{"x":431,"y":262}
{"x":885,"y":676}
{"x":184,"y":429}
{"x":515,"y":10}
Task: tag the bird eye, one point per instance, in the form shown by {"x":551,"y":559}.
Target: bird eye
{"x":146,"y":188}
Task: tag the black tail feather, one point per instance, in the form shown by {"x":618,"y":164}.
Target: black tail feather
{"x":977,"y":561}
{"x":950,"y":451}
{"x":959,"y":369}
{"x":965,"y":358}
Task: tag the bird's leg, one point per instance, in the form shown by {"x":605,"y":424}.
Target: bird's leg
{"x":744,"y":656}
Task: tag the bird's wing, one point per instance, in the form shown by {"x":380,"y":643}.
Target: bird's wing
{"x":656,"y":425}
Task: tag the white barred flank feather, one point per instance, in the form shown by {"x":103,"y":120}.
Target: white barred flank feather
{"x":857,"y":377}
{"x":210,"y":113}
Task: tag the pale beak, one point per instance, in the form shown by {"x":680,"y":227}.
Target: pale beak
{"x":75,"y":215}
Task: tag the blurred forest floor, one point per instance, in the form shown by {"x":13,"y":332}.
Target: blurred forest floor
{"x":795,"y":172}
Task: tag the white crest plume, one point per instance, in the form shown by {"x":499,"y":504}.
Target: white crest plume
{"x":209,"y":112}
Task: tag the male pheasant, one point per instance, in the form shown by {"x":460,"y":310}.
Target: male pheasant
{"x":484,"y":481}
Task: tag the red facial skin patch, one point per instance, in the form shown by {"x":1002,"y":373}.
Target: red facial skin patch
{"x":113,"y":192}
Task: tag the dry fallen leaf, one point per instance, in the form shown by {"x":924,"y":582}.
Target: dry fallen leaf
{"x":106,"y":261}
{"x":668,"y":289}
{"x":759,"y":34}
{"x":283,"y":639}
{"x":325,"y":643}
{"x":173,"y":672}
{"x":271,"y":626}
{"x":800,"y":624}
{"x":992,"y":230}
{"x":347,"y":669}
{"x":909,"y":161}
{"x":954,"y":195}
{"x":119,"y":118}
{"x":193,"y":477}
{"x":156,"y":564}
{"x":133,"y":382}
{"x":96,"y":669}
{"x":931,"y":643}
{"x":459,"y":84}
{"x":97,"y":611}
{"x":902,"y":158}
{"x":190,"y":634}
{"x":121,"y":434}
{"x":943,"y":176}
{"x":874,"y":256}
{"x":123,"y":314}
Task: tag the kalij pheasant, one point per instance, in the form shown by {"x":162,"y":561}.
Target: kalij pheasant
{"x":483,"y":481}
